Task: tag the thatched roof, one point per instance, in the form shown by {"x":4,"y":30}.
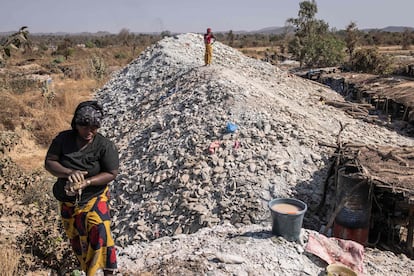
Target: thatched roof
{"x":389,"y":168}
{"x":398,"y":89}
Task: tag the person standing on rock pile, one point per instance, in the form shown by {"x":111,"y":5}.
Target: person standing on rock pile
{"x":85,"y":162}
{"x":208,"y":41}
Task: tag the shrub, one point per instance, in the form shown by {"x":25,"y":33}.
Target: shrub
{"x":59,"y":59}
{"x":371,"y":61}
{"x":89,"y":44}
{"x":120,"y":55}
{"x":44,"y":240}
{"x":98,"y":67}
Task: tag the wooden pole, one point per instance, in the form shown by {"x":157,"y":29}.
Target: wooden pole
{"x":410,"y":231}
{"x":405,"y":113}
{"x":386,"y":106}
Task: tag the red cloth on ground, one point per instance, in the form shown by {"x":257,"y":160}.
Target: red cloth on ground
{"x":335,"y":250}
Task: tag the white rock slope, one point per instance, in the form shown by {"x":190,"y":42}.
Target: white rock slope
{"x":165,"y":110}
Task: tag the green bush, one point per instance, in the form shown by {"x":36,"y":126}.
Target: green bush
{"x":89,"y":44}
{"x":98,"y":67}
{"x":59,"y":59}
{"x":120,"y":56}
{"x":371,"y":61}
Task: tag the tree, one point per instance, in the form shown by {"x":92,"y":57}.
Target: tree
{"x":230,"y":38}
{"x":165,"y":34}
{"x":329,"y":51}
{"x":14,"y":42}
{"x":351,"y":38}
{"x":309,"y":45}
{"x":125,"y":37}
{"x":406,"y":39}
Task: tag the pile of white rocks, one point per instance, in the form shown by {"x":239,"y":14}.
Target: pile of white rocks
{"x":181,"y":167}
{"x":204,"y":146}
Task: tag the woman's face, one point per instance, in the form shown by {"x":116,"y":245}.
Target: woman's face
{"x":87,"y":133}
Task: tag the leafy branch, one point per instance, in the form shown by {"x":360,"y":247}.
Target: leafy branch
{"x":13,"y":42}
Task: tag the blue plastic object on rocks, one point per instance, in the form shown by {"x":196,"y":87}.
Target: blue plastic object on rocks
{"x":231,"y":127}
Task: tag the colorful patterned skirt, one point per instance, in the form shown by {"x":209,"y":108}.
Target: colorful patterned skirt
{"x":88,"y":229}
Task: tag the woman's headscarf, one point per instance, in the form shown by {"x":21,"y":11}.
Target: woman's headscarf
{"x":88,"y":113}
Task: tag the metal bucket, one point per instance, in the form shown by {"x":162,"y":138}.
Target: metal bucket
{"x":287,"y":225}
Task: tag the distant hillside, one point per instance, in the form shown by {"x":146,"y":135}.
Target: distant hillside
{"x":395,"y":29}
{"x":273,"y":30}
{"x":282,"y":30}
{"x":267,"y":30}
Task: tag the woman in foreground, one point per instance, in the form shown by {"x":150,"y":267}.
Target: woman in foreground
{"x":85,"y":162}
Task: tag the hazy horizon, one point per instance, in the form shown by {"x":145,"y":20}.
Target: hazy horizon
{"x":182,"y":16}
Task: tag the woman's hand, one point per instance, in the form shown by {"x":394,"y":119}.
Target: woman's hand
{"x":77,"y":176}
{"x":73,"y":188}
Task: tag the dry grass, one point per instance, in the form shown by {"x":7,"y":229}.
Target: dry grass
{"x":27,"y":153}
{"x":37,"y":119}
{"x":12,"y":110}
{"x":10,"y":260}
{"x":392,"y":50}
{"x":57,"y":115}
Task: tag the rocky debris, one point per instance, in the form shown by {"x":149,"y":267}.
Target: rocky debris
{"x":165,"y":110}
{"x":8,"y":140}
{"x":229,"y":256}
{"x":248,"y":250}
{"x":182,"y":170}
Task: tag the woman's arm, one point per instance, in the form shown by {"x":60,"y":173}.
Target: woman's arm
{"x":101,"y":178}
{"x":53,"y":166}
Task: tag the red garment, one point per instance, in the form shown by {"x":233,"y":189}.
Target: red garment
{"x":208,"y":37}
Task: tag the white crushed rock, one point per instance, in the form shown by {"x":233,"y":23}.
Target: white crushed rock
{"x":209,"y":211}
{"x":248,"y":250}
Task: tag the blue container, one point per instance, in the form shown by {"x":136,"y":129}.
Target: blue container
{"x":287,"y":225}
{"x":230,"y":127}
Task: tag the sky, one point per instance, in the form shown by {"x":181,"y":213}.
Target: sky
{"x":182,"y":16}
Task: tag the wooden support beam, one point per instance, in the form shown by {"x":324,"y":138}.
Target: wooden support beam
{"x":410,"y":231}
{"x":386,"y":106}
{"x":405,"y":113}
